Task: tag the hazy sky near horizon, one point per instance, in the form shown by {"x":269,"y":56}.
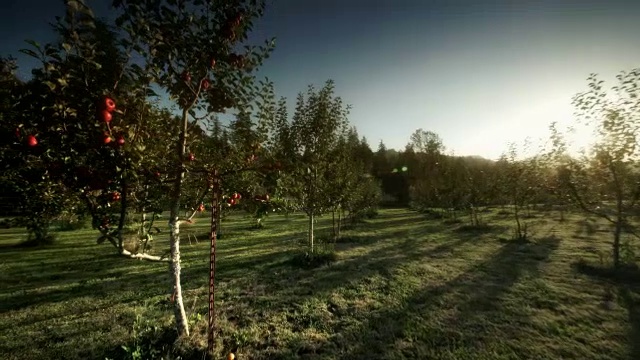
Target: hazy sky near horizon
{"x":478,"y":73}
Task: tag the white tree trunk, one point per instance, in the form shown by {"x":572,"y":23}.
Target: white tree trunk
{"x":174,"y":264}
{"x":182,"y":325}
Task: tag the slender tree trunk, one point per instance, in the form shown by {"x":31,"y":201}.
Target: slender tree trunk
{"x":618,"y":232}
{"x":311,"y":231}
{"x":333,"y":221}
{"x":311,"y":208}
{"x":143,"y":229}
{"x":123,"y":215}
{"x":339,"y":221}
{"x":143,"y":218}
{"x":616,"y":244}
{"x":147,"y":230}
{"x":475,"y":216}
{"x":174,"y":236}
{"x":619,"y":216}
{"x":219,"y":220}
{"x":215,"y":215}
{"x":143,"y":222}
{"x":518,"y":225}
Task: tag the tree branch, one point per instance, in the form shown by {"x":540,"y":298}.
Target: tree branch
{"x":128,"y":254}
{"x":584,"y":207}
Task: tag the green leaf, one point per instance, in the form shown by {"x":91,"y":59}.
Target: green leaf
{"x":51,"y":85}
{"x":33,"y":43}
{"x":30,"y":53}
{"x":73,"y":5}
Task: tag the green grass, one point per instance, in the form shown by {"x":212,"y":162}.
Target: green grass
{"x":403,"y":287}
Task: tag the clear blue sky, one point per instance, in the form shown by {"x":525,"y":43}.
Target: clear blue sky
{"x":478,"y":73}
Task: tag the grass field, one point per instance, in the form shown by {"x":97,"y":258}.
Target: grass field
{"x":403,"y":287}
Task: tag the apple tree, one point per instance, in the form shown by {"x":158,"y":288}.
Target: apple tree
{"x":23,"y":161}
{"x":191,"y":49}
{"x":605,"y":182}
{"x":351,"y":186}
{"x":425,"y":157}
{"x":73,"y":145}
{"x":319,"y":119}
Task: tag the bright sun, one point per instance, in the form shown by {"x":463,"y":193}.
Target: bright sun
{"x":580,"y":138}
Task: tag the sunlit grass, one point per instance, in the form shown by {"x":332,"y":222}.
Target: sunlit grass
{"x":402,"y":287}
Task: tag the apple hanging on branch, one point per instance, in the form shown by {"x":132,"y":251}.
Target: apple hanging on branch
{"x":109,"y":104}
{"x":115,"y":196}
{"x":32,"y":141}
{"x":186,"y":76}
{"x":105,"y":109}
{"x":106,"y":116}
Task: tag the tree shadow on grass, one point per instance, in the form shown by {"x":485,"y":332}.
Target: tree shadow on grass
{"x":630,"y":300}
{"x":627,"y":281}
{"x":90,"y":286}
{"x":475,"y":293}
{"x":413,"y":248}
{"x":386,"y":222}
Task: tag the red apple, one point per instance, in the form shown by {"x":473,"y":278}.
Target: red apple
{"x":232,"y":201}
{"x":120,"y":140}
{"x":186,"y":76}
{"x":229,"y":32}
{"x":107,"y":139}
{"x":106,"y":116}
{"x":191,"y":157}
{"x":237,"y":60}
{"x":201,"y":208}
{"x":213,"y":63}
{"x":235,"y":196}
{"x":109,"y":104}
{"x":17,"y":132}
{"x":32,"y":141}
{"x":115,"y":196}
{"x":205,"y":84}
{"x":237,"y":20}
{"x":157,"y":174}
